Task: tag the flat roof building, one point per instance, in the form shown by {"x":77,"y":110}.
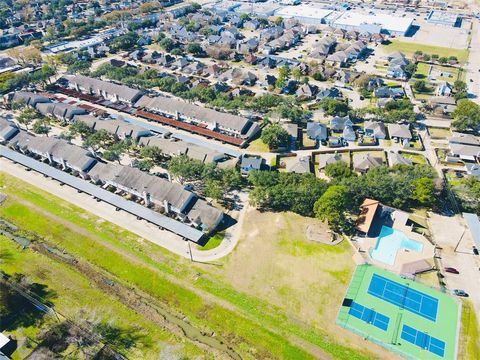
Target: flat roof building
{"x":305,"y":13}
{"x":374,"y":23}
{"x":445,"y":18}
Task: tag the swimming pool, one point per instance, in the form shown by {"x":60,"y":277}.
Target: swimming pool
{"x":388,"y":244}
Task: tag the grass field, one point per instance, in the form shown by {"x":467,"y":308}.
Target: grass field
{"x":441,"y":324}
{"x":229,"y":299}
{"x":74,"y":292}
{"x":409,"y":48}
{"x":469,"y":347}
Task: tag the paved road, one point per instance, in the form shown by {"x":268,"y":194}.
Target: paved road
{"x":473,"y":66}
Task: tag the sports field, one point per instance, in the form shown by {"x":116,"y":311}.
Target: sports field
{"x":401,"y":315}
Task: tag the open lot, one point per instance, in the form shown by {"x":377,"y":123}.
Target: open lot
{"x":444,"y":36}
{"x":220,"y":299}
{"x":409,"y":48}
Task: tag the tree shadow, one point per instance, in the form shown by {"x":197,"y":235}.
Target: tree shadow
{"x":121,"y":338}
{"x":16,"y":309}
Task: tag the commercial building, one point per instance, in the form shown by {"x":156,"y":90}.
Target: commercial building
{"x":373,"y":23}
{"x":305,"y":13}
{"x":444,"y":18}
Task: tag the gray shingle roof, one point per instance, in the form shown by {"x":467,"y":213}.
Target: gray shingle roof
{"x":101,"y":87}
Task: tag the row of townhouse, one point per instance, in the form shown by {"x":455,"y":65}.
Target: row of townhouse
{"x":161,"y":194}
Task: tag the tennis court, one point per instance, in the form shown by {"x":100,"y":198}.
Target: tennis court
{"x":405,"y":317}
{"x":404,"y":297}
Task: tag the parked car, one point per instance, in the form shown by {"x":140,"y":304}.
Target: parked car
{"x":451,"y":270}
{"x":475,"y":251}
{"x":459,"y":292}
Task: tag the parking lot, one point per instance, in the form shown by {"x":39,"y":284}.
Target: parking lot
{"x":451,"y":235}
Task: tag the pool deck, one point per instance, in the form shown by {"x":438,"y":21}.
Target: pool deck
{"x":403,"y":256}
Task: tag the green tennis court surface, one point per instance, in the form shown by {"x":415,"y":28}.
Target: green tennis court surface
{"x":401,"y":315}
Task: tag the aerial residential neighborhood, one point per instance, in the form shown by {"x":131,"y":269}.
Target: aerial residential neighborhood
{"x":239,"y":179}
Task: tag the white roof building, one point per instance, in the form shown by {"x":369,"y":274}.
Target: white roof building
{"x":393,"y":25}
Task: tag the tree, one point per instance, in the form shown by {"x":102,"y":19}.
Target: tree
{"x":150,"y":7}
{"x":40,"y":126}
{"x":461,"y":90}
{"x":296,"y":73}
{"x":334,"y":107}
{"x":338,"y":170}
{"x":111,"y":155}
{"x":195,"y":49}
{"x":97,"y":140}
{"x":420,"y":86}
{"x":145,"y":164}
{"x":443,"y":60}
{"x":124,"y":42}
{"x":153,"y":153}
{"x":278,"y":21}
{"x":185,"y":168}
{"x":27,"y":116}
{"x":424,"y":191}
{"x":79,"y":128}
{"x":410,"y":69}
{"x":275,"y":136}
{"x":167,"y":44}
{"x":332,"y":206}
{"x":466,"y":116}
{"x":426,"y":57}
{"x":213,"y":189}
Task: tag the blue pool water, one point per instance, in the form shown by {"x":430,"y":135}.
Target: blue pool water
{"x":388,"y":244}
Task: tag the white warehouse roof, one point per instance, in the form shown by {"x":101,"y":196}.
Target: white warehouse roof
{"x":387,"y":22}
{"x":305,"y":10}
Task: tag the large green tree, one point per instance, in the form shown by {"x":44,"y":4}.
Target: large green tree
{"x":466,"y":116}
{"x":275,"y":136}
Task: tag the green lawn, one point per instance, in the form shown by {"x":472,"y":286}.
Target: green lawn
{"x":259,"y":146}
{"x":409,"y":48}
{"x":213,"y":242}
{"x":469,"y":347}
{"x":443,"y":327}
{"x":416,"y":158}
{"x":439,"y":133}
{"x":253,"y":327}
{"x":74,"y":292}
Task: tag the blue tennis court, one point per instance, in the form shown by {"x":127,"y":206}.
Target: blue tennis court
{"x":423,"y":340}
{"x":404,"y":297}
{"x":369,"y":316}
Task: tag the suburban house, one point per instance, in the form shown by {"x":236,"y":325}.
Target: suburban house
{"x":401,"y":132}
{"x":249,"y":163}
{"x":465,"y":147}
{"x":306,"y":92}
{"x":349,"y":133}
{"x":444,"y":89}
{"x":317,"y":131}
{"x":338,"y":123}
{"x":396,"y":66}
{"x":329,"y":158}
{"x":375,"y":129}
{"x":394,"y":158}
{"x":330,"y":93}
{"x":362,"y":162}
{"x":299,"y":165}
{"x":389,"y":92}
